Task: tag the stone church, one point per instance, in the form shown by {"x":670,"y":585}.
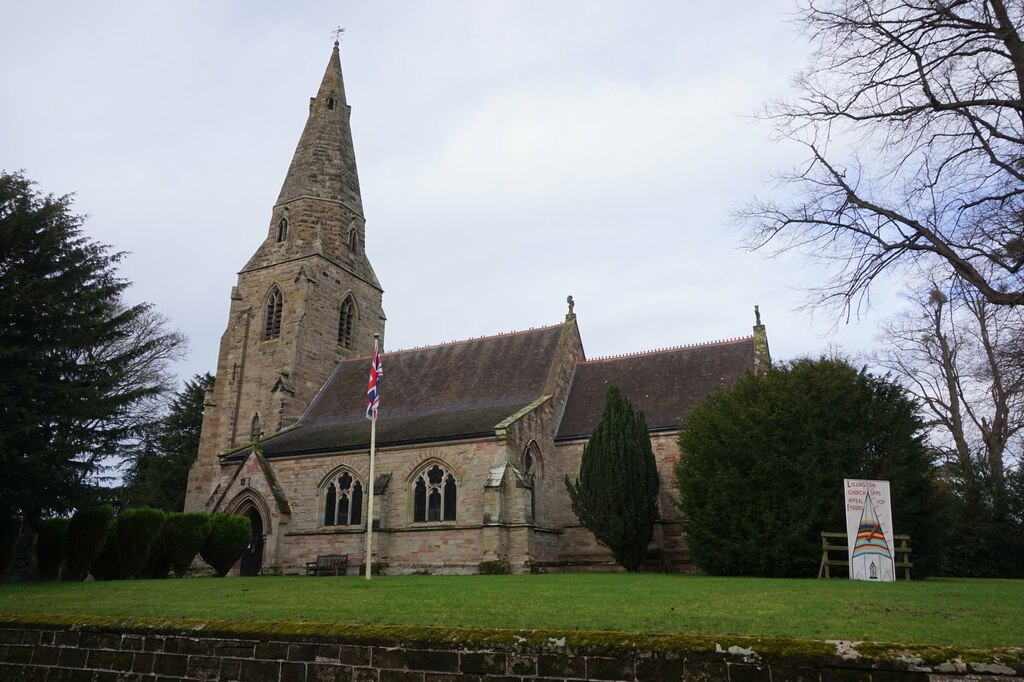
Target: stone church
{"x":475,"y":437}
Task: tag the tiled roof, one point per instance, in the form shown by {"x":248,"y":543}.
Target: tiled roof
{"x":665,"y":384}
{"x":456,"y":390}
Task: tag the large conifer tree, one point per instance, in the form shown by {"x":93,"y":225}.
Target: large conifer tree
{"x":81,"y":369}
{"x":762,"y":464}
{"x":616,"y":494}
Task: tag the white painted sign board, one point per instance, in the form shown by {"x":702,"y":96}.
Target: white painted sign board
{"x":869,"y":530}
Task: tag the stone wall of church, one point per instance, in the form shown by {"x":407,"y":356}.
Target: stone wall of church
{"x":477,"y":534}
{"x":540,"y":426}
{"x":492,"y":520}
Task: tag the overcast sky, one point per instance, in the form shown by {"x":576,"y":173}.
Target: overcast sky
{"x":510,"y":154}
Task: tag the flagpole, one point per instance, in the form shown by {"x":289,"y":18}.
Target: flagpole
{"x":369,"y":511}
{"x":369,"y":504}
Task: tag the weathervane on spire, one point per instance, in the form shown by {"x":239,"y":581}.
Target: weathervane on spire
{"x":337,"y":33}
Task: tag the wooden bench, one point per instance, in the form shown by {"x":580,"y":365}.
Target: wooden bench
{"x":837,"y":542}
{"x":328,"y":563}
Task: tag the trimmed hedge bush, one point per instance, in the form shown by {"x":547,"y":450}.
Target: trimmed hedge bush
{"x":51,"y":544}
{"x":137,"y":533}
{"x":495,"y":567}
{"x":9,"y":530}
{"x":106,"y":566}
{"x":229,"y":536}
{"x":87,"y":535}
{"x":376,"y":568}
{"x":184,"y":535}
{"x":159,"y":564}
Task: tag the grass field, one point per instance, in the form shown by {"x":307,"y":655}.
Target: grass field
{"x":966,"y":613}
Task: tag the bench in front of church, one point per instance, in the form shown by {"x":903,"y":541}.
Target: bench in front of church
{"x":328,"y":563}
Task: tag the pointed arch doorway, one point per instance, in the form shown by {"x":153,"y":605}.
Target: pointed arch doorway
{"x":252,"y":557}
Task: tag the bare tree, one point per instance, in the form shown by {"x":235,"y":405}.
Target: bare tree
{"x":957,"y":354}
{"x":912,"y":113}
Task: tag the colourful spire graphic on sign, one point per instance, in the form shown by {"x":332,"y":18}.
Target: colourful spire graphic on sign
{"x":870,"y":539}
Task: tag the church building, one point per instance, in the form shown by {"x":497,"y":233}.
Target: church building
{"x":475,"y":437}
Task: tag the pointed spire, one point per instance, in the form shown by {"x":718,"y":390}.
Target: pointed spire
{"x":324,"y":164}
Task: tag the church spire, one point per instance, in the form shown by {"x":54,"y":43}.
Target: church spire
{"x":324,"y":164}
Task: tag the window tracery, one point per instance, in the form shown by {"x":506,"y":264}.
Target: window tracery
{"x":435,"y":492}
{"x":343,"y":500}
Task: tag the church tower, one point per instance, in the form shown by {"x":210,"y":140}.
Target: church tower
{"x":305,"y":300}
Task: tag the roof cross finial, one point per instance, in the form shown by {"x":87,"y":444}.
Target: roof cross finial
{"x":572,"y":304}
{"x":337,"y":33}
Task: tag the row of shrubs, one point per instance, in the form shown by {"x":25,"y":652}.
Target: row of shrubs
{"x":138,"y":543}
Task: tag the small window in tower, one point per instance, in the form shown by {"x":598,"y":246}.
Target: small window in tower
{"x":346,"y":321}
{"x":272,"y":321}
{"x":353,"y":241}
{"x":254,"y":431}
{"x":282,"y":229}
{"x":330,"y":104}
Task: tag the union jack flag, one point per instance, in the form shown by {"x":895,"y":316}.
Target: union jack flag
{"x":373,"y":389}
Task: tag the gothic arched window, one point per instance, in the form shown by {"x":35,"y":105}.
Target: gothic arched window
{"x":353,"y":241}
{"x":343,"y":500}
{"x":434,"y":495}
{"x":346,"y":321}
{"x":254,"y":431}
{"x":274,"y":308}
{"x":531,"y":473}
{"x":282,"y":229}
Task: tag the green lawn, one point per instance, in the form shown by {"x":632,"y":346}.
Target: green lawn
{"x":964,"y":613}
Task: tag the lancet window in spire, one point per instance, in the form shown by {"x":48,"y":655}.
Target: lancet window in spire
{"x":346,"y":321}
{"x":282,"y":229}
{"x":274,"y":309}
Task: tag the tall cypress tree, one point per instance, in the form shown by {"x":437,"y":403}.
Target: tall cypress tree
{"x":616,"y":494}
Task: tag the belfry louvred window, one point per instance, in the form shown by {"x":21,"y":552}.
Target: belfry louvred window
{"x":346,"y":321}
{"x":434,"y":495}
{"x":343,"y":500}
{"x":274,"y":309}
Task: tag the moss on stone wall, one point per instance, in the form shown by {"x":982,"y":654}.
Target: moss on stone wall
{"x":815,"y":653}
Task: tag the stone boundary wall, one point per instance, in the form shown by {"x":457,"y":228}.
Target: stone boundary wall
{"x":58,"y":649}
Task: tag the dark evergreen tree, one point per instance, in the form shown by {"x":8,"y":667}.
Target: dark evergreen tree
{"x":157,"y":473}
{"x":762,"y":467}
{"x":81,"y":368}
{"x":616,"y":494}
